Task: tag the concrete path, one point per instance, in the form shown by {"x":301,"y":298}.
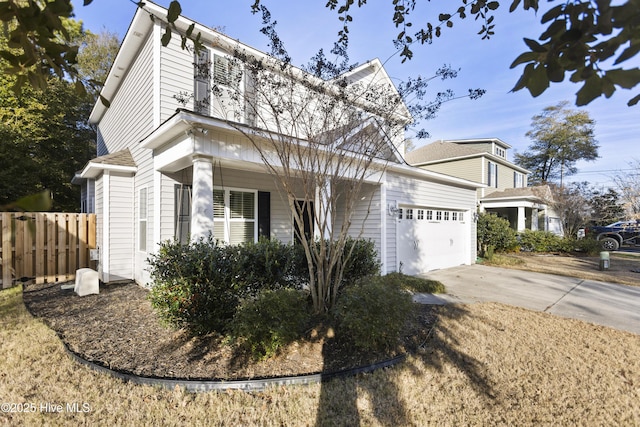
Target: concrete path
{"x":617,"y":306}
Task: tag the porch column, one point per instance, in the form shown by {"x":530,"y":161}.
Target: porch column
{"x":202,"y":198}
{"x":521,"y":219}
{"x":534,"y":219}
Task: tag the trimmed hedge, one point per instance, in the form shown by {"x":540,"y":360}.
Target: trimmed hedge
{"x":199,"y":286}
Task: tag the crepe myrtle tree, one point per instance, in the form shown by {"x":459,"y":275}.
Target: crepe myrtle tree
{"x":326,"y":143}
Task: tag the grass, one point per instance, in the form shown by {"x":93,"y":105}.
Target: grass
{"x":485,"y":364}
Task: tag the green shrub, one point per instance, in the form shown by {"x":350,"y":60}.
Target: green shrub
{"x":269,"y":322}
{"x":495,"y":234}
{"x":268,"y":264}
{"x":372,"y":313}
{"x":198,"y":286}
{"x":363,"y":261}
{"x":541,"y":241}
{"x":193,"y":285}
{"x":587,"y":245}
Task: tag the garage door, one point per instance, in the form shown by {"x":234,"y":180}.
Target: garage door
{"x":431,"y":239}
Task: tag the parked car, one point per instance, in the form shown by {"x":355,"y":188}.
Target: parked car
{"x":612,"y":236}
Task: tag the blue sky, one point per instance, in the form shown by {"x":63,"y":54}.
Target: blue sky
{"x":306,"y":26}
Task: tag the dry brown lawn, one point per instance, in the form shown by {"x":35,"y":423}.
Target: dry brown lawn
{"x":485,"y":364}
{"x":623,"y":268}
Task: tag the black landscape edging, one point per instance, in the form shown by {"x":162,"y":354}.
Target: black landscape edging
{"x":244,"y":385}
{"x":218,"y":385}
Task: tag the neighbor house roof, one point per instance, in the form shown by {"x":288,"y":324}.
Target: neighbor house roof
{"x":441,"y":150}
{"x":445,"y":151}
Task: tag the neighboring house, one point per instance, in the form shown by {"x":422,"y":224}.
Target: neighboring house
{"x":169,"y":170}
{"x":505,"y":191}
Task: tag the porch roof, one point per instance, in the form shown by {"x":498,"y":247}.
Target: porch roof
{"x":541,"y":193}
{"x":120,"y":161}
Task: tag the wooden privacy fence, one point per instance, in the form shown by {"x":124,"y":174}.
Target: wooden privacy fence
{"x":45,"y":246}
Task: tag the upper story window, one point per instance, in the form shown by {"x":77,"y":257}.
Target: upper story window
{"x":492,"y":175}
{"x":518,"y":180}
{"x":225,"y":72}
{"x":212,"y":69}
{"x":501,"y":152}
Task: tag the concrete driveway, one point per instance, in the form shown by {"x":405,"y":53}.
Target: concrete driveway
{"x":617,"y":306}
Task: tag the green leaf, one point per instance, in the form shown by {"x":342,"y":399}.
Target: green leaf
{"x":608,"y":88}
{"x":524,"y":78}
{"x":444,"y":17}
{"x":190,"y":29}
{"x":556,"y":27}
{"x":493,"y":5}
{"x":628,"y":53}
{"x":624,"y":78}
{"x":166,"y":37}
{"x":539,"y":81}
{"x":633,"y":101}
{"x":174,"y":11}
{"x":555,"y":72}
{"x":514,"y":6}
{"x":591,"y":89}
{"x":523,"y":58}
{"x":552,"y":14}
{"x":105,"y":101}
{"x":87,"y":2}
{"x":534,"y":46}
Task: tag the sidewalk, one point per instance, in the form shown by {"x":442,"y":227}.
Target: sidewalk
{"x":607,"y":304}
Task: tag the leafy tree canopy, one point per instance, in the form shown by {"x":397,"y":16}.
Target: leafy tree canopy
{"x":584,"y":40}
{"x":561,"y":136}
{"x":44,"y":137}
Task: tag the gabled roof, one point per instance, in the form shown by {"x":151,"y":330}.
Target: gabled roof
{"x":440,"y":150}
{"x":450,"y":150}
{"x":120,"y":161}
{"x":141,"y":27}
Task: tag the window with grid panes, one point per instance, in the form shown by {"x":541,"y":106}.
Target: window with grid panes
{"x":234,"y":216}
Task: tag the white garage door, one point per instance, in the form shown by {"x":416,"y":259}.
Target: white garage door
{"x":431,"y":239}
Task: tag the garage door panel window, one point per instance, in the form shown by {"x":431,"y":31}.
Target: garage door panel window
{"x":420,"y":214}
{"x":438,"y":215}
{"x":409,"y":213}
{"x":446,"y":215}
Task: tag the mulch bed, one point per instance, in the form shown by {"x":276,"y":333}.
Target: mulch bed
{"x":118,"y":329}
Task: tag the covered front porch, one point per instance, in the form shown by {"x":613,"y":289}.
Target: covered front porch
{"x":525,"y":208}
{"x":213,"y":182}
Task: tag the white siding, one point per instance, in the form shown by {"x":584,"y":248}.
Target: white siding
{"x":99,"y":223}
{"x":121,"y":228}
{"x":365,"y":221}
{"x":413,"y":191}
{"x":176,"y":76}
{"x":125,"y":123}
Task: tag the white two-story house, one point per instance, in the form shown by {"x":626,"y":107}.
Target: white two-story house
{"x":172,"y":166}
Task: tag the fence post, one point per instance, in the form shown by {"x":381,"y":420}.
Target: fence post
{"x":7,"y":260}
{"x":40,"y":247}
